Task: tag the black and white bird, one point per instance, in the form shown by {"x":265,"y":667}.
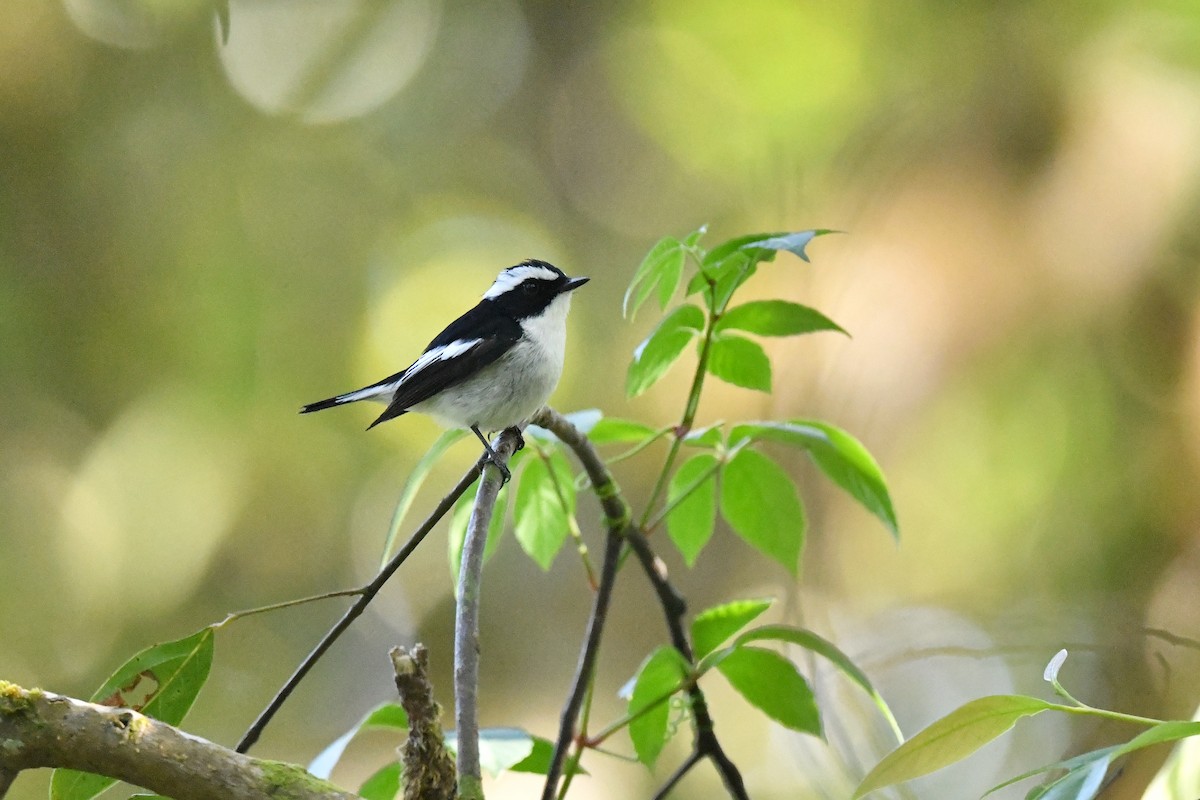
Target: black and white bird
{"x":491,"y":368}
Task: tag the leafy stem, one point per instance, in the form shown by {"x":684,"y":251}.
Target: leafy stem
{"x":689,"y":413}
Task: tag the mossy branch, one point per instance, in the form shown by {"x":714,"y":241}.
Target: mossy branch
{"x":40,"y":729}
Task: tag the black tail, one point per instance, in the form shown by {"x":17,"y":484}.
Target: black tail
{"x":321,"y":405}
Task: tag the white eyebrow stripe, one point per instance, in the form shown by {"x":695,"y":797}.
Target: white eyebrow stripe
{"x":512,"y":277}
{"x":443,"y":353}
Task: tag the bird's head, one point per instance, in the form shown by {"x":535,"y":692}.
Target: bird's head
{"x":529,"y":288}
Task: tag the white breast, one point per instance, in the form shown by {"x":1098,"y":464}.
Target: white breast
{"x":517,"y":384}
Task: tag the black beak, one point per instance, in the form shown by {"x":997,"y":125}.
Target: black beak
{"x":574,"y":283}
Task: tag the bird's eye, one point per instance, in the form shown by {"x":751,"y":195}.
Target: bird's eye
{"x":529,"y":287}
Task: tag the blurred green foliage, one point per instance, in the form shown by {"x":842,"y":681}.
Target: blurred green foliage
{"x":195,"y":238}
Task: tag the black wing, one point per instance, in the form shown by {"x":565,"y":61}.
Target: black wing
{"x":470,"y":343}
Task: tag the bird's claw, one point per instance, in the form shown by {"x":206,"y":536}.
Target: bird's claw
{"x":505,"y":475}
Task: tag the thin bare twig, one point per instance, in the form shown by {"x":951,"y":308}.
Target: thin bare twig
{"x":355,"y":611}
{"x":617,"y":521}
{"x":678,"y":774}
{"x":466,"y":620}
{"x":674,"y":608}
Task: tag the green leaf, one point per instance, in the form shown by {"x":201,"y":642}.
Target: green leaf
{"x":728,"y":277}
{"x":730,"y":264}
{"x":413,"y":485}
{"x":692,"y":238}
{"x":384,"y":784}
{"x":760,"y":503}
{"x":460,"y":517}
{"x":661,"y":675}
{"x":690,"y":523}
{"x":541,"y":518}
{"x":952,"y":738}
{"x":538,"y":761}
{"x":612,"y":430}
{"x":654,"y":356}
{"x":776,"y":318}
{"x":738,"y":246}
{"x":385,"y":715}
{"x":839,"y":455}
{"x":162,"y":681}
{"x":810,"y":641}
{"x":662,"y":266}
{"x":713,"y":626}
{"x":741,"y":362}
{"x":773,"y":685}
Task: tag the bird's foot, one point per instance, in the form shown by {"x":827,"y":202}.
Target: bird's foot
{"x":505,"y":475}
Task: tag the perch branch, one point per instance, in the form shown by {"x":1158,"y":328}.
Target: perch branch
{"x":40,"y":729}
{"x":466,"y":619}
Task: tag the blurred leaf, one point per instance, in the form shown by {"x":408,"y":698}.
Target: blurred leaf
{"x":741,"y":362}
{"x":810,"y":641}
{"x":714,"y":625}
{"x":612,"y":429}
{"x":385,"y":715}
{"x":221,"y":7}
{"x":654,"y":356}
{"x":661,"y":674}
{"x":1081,"y":783}
{"x":541,"y":519}
{"x":951,"y":739}
{"x":460,"y":518}
{"x":1169,"y":731}
{"x":776,"y":318}
{"x":584,"y":420}
{"x":709,"y":437}
{"x":692,"y":238}
{"x":1067,"y":765}
{"x":760,"y":503}
{"x":499,"y":748}
{"x":794,"y":243}
{"x":839,"y":455}
{"x":690,"y":523}
{"x":662,"y":266}
{"x":384,"y":784}
{"x":538,"y":760}
{"x":1050,"y":675}
{"x":162,"y":682}
{"x":773,"y":685}
{"x":416,"y":479}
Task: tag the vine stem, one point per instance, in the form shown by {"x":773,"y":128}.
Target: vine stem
{"x":689,"y":410}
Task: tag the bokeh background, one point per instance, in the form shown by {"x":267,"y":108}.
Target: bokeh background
{"x":196,"y":237}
